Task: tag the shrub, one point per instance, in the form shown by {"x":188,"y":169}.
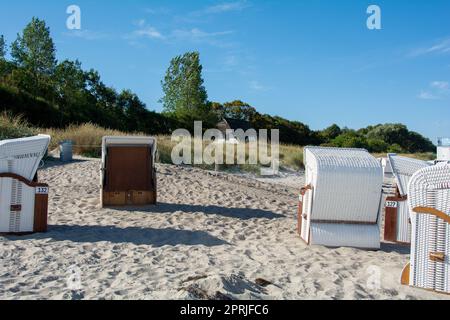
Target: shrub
{"x":396,"y":148}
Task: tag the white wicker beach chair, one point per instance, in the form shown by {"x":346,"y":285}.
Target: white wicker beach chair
{"x":397,"y":227}
{"x":128,"y":171}
{"x":23,"y":201}
{"x":340,"y":205}
{"x":429,"y":200}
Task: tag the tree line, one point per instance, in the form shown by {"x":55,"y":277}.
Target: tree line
{"x":49,"y":93}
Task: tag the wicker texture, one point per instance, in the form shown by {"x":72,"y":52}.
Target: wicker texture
{"x":403,"y":169}
{"x":346,"y":194}
{"x":14,"y":192}
{"x":342,"y":235}
{"x":430,"y":188}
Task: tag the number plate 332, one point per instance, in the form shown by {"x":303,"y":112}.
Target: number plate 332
{"x":391,"y":204}
{"x":41,"y":190}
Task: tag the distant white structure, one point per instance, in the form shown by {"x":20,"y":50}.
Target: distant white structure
{"x":443,"y":149}
{"x":386,"y":164}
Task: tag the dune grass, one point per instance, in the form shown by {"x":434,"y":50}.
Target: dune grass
{"x":14,"y":127}
{"x":87,"y":140}
{"x":426,"y":156}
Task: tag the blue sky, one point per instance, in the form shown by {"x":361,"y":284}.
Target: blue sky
{"x":313,"y":61}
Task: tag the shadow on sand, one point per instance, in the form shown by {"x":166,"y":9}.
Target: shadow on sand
{"x":397,"y":248}
{"x":134,"y":235}
{"x":238,"y":213}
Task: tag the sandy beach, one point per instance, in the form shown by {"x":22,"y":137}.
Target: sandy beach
{"x":212,"y":236}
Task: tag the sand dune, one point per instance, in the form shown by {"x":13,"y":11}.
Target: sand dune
{"x":211,"y":236}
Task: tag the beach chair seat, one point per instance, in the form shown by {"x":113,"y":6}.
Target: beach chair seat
{"x":23,"y":201}
{"x":397,"y":225}
{"x":429,"y":200}
{"x":128,"y":171}
{"x":340,"y":204}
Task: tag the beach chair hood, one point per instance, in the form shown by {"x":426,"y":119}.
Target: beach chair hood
{"x":403,"y":169}
{"x":23,"y":156}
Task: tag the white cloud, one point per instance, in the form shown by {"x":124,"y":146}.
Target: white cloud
{"x":440,"y":47}
{"x":157,"y":11}
{"x":144,"y":31}
{"x":149,"y":32}
{"x":86,"y":34}
{"x":231,"y":61}
{"x":221,"y":8}
{"x":437,"y":90}
{"x":441,"y":85}
{"x":227,"y":7}
{"x":255,"y":85}
{"x":199,"y":36}
{"x":140,"y":23}
{"x":426,"y":95}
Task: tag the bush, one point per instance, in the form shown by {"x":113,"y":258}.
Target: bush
{"x":377,"y":145}
{"x":349,"y":140}
{"x":395,"y":148}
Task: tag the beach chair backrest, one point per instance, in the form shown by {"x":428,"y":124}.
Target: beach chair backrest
{"x":128,"y":171}
{"x":128,"y":168}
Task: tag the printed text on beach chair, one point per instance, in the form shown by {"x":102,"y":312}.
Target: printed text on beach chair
{"x":23,"y":201}
{"x":340,"y":204}
{"x":429,"y":199}
{"x":128,"y":171}
{"x":397,"y":227}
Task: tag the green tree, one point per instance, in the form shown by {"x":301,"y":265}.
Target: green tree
{"x":330,"y":133}
{"x":2,"y":47}
{"x":349,"y":139}
{"x":377,"y":145}
{"x":6,"y":67}
{"x":185,"y":96}
{"x":398,"y":134}
{"x":34,"y":49}
{"x":34,"y":52}
{"x":395,"y":148}
{"x":238,"y":109}
{"x":72,"y":97}
{"x":134,"y":111}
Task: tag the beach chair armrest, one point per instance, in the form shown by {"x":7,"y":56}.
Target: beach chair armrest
{"x":437,"y":256}
{"x":305,"y":189}
{"x":432,"y":211}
